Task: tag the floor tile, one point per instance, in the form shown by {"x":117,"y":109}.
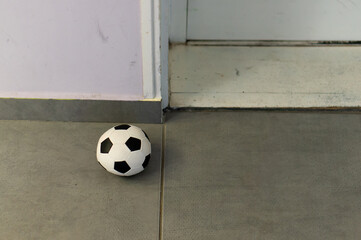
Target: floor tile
{"x":262,"y":175}
{"x":53,"y":188}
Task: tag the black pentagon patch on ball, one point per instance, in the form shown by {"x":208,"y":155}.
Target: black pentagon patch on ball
{"x":146,"y":135}
{"x":146,"y":161}
{"x":121,"y":167}
{"x":106,"y":145}
{"x":133,"y":144}
{"x":122,"y":127}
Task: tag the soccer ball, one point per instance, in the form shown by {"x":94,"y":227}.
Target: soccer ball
{"x":124,"y":150}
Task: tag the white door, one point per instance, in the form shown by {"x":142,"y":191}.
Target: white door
{"x":338,"y":20}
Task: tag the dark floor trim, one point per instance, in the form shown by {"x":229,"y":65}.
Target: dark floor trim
{"x":310,"y":109}
{"x":81,"y":110}
{"x":273,"y":43}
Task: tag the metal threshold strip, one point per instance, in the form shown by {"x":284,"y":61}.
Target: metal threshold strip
{"x":272,"y":43}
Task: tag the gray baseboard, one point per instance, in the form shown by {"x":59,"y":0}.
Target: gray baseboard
{"x":81,"y":110}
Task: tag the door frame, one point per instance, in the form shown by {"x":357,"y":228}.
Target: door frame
{"x":154,"y":41}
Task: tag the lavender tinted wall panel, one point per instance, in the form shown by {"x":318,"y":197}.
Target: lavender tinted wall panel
{"x":84,"y":49}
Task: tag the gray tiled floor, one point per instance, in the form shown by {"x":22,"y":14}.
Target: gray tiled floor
{"x":262,"y":175}
{"x":53,"y":188}
{"x":227,"y":175}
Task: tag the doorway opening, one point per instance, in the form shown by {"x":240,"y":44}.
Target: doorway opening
{"x":259,"y":54}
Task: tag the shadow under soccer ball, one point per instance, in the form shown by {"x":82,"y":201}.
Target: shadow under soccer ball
{"x":124,"y":150}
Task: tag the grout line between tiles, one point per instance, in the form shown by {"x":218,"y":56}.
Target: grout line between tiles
{"x":162,"y":184}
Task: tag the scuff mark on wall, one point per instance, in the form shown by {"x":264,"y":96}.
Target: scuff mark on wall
{"x":132,"y":64}
{"x":342,"y":3}
{"x":353,"y":3}
{"x":101,"y":34}
{"x":9,"y":38}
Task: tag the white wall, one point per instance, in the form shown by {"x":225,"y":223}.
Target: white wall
{"x":84,"y":49}
{"x":265,"y":20}
{"x":178,"y":21}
